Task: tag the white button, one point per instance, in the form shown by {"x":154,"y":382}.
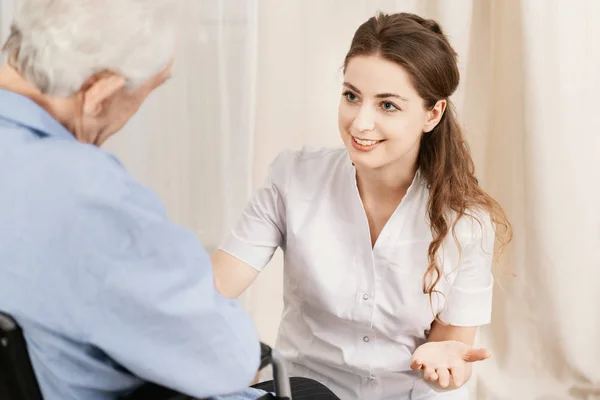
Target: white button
{"x":365,"y":296}
{"x":366,"y":339}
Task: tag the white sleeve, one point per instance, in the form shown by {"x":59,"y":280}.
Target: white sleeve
{"x":261,"y":228}
{"x":469,"y":297}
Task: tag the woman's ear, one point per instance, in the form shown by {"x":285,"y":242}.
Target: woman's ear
{"x":435,"y":115}
{"x":98,"y":90}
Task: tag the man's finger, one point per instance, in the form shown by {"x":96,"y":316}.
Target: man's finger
{"x":473,"y":355}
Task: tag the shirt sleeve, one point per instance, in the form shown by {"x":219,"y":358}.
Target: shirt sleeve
{"x":261,"y":228}
{"x":469,"y":297}
{"x":150,"y":294}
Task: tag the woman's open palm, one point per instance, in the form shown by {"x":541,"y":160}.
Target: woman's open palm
{"x":446,"y":361}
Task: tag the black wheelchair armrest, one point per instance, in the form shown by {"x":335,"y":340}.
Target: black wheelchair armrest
{"x":17,"y":378}
{"x":265,"y":356}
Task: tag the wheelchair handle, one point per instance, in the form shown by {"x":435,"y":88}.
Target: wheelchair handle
{"x":281,"y":379}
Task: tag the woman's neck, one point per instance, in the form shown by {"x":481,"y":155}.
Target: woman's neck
{"x":381,"y":191}
{"x":387,"y":184}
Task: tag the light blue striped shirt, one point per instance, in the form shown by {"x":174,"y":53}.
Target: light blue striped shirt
{"x":108,"y":292}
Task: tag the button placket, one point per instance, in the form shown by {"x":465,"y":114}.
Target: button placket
{"x":364,"y":291}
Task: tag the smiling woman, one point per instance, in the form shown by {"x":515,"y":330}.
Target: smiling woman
{"x":378,"y":114}
{"x":388,"y":243}
{"x":384,"y":101}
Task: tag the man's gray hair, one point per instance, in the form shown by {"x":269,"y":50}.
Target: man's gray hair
{"x":57,"y":45}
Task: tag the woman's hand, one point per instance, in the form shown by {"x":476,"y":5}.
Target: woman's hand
{"x":447,"y":362}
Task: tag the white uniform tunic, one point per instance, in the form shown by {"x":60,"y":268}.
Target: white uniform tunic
{"x":354,"y":314}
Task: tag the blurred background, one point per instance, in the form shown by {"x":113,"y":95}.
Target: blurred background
{"x":255,"y":76}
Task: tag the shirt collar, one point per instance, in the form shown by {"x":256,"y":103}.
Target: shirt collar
{"x":23,"y":111}
{"x":417,"y":181}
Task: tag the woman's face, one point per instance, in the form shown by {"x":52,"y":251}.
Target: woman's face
{"x":381,"y":116}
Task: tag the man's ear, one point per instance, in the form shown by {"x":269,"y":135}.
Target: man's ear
{"x":98,"y":90}
{"x":435,"y":115}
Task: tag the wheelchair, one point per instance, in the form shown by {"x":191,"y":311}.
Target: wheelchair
{"x":18,"y":380}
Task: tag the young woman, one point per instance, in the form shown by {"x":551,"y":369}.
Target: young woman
{"x":388,"y":242}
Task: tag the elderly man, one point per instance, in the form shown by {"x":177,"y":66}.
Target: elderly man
{"x":108,"y":292}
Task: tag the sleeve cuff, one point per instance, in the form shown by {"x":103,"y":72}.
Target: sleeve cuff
{"x":256,"y":254}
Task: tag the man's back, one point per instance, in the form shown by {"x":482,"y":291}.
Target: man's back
{"x":108,"y":292}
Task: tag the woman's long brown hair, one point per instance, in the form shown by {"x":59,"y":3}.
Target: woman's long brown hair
{"x":420,"y":47}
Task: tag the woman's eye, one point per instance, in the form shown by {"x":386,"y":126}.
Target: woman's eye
{"x":350,"y":96}
{"x":387,"y":106}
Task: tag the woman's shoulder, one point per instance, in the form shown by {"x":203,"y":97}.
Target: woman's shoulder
{"x":474,"y":226}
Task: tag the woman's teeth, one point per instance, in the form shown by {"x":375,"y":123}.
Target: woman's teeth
{"x":366,"y":142}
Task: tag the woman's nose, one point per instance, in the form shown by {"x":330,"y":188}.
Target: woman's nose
{"x":365,"y":119}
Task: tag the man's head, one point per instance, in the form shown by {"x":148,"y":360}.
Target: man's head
{"x":91,"y":63}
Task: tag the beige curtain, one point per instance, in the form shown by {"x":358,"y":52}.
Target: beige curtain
{"x":541,"y":162}
{"x":528,"y":100}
